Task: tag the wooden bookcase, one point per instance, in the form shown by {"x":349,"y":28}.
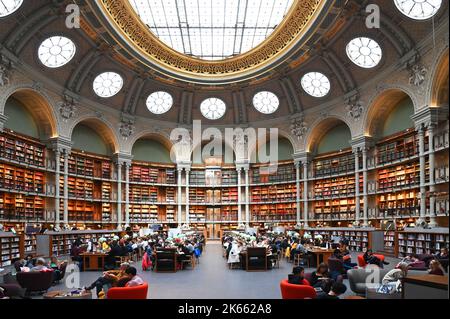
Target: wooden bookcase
{"x":285,"y":172}
{"x":334,"y":164}
{"x":359,"y":239}
{"x":18,"y":148}
{"x":11,"y":248}
{"x":421,"y":241}
{"x":398,"y":147}
{"x":59,"y":243}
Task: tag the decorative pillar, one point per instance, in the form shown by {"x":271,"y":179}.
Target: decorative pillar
{"x":297,"y":186}
{"x":57,"y":186}
{"x":179,"y":215}
{"x":119,"y":194}
{"x":3,"y":119}
{"x":247,"y":198}
{"x":127,"y":193}
{"x":357,"y":199}
{"x":305,"y":193}
{"x":187,"y":171}
{"x":365,"y":181}
{"x":423,"y":205}
{"x":66,"y":188}
{"x":432,"y":176}
{"x":239,"y":185}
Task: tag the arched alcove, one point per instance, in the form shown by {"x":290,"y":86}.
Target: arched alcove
{"x":329,"y":135}
{"x":390,"y":113}
{"x":94,"y":136}
{"x":211,"y":149}
{"x":285,"y":150}
{"x":440,"y":89}
{"x":30,"y":114}
{"x":151,"y":150}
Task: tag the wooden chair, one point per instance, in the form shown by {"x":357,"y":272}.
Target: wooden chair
{"x":190,"y":261}
{"x":123,"y":259}
{"x":256,"y":259}
{"x":166,"y":260}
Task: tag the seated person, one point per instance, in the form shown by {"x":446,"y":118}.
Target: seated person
{"x":396,"y":275}
{"x":336,"y":290}
{"x":371,"y":259}
{"x":56,"y":266}
{"x":442,"y":257}
{"x":413,"y":261}
{"x":135,"y":280}
{"x":40,"y":265}
{"x":233,"y":256}
{"x":298,"y":277}
{"x":321,"y":277}
{"x":436,"y":268}
{"x":110,"y":278}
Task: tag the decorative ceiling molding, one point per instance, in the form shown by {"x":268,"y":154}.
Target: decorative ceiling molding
{"x":83,"y":68}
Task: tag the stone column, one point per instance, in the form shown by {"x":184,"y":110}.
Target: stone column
{"x":297,"y":186}
{"x":423,"y":205}
{"x":305,"y":193}
{"x":247,"y":197}
{"x":239,"y":185}
{"x":179,"y":215}
{"x":66,"y":188}
{"x":432,"y":176}
{"x":57,"y":187}
{"x":357,"y":199}
{"x":365,"y":195}
{"x":127,"y":193}
{"x":119,"y":194}
{"x":187,"y":171}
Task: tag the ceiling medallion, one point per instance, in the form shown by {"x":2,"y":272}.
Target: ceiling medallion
{"x":301,"y":18}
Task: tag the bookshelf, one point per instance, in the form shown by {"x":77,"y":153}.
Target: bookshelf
{"x":359,"y":239}
{"x":14,"y":147}
{"x":275,"y":193}
{"x":398,"y":147}
{"x":11,"y":248}
{"x":88,"y":165}
{"x":59,"y":243}
{"x":390,"y":239}
{"x":151,"y":174}
{"x":21,"y":207}
{"x":273,"y":212}
{"x":284,"y":172}
{"x":424,"y":241}
{"x":399,"y":204}
{"x":140,"y":193}
{"x":334,"y":164}
{"x":197,"y":214}
{"x":85,"y":211}
{"x":336,"y":187}
{"x":20,"y":179}
{"x":144,"y":213}
{"x":198,"y":195}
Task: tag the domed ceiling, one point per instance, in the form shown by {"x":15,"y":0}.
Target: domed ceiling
{"x":225,"y":62}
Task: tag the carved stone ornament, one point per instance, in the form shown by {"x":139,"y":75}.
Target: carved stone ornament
{"x":417,"y":74}
{"x":126,"y":129}
{"x":299,"y":128}
{"x":355,"y":110}
{"x":4,"y":75}
{"x":67,"y":109}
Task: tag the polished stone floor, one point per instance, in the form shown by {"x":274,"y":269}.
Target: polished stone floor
{"x":211,"y":279}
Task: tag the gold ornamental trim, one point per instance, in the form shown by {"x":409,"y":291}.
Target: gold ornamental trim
{"x":298,"y":20}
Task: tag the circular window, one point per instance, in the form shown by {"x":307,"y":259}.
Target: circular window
{"x":213,"y":108}
{"x":316,"y":84}
{"x":56,"y":51}
{"x":418,"y":9}
{"x":8,"y":7}
{"x":364,"y":52}
{"x":107,"y":84}
{"x":266,"y":102}
{"x":159,"y":102}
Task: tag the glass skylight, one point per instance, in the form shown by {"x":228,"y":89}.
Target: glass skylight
{"x":364,"y":52}
{"x":213,"y":108}
{"x":316,"y":84}
{"x":266,"y":102}
{"x":56,"y":51}
{"x":212,"y":29}
{"x":107,"y":84}
{"x":159,"y":102}
{"x":418,"y":9}
{"x":8,"y":7}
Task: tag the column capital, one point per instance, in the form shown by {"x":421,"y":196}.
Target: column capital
{"x":429,"y":116}
{"x":186,"y":165}
{"x":60,"y":144}
{"x":242,"y":165}
{"x":122,"y":159}
{"x":3,"y":119}
{"x":361,"y":143}
{"x":302,"y":157}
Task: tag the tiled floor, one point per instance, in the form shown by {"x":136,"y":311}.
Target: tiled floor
{"x":211,"y":279}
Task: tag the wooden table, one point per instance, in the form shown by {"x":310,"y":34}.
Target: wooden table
{"x":93,"y":261}
{"x":322,"y":255}
{"x":66,"y":295}
{"x":425,"y":287}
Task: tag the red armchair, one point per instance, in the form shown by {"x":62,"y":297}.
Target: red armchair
{"x":362,"y":262}
{"x":137,"y":292}
{"x":290,"y":291}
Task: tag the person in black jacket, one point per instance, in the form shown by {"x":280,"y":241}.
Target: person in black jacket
{"x":116,"y":251}
{"x":337,"y":289}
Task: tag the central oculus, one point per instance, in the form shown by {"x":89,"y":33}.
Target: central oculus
{"x":212,"y":29}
